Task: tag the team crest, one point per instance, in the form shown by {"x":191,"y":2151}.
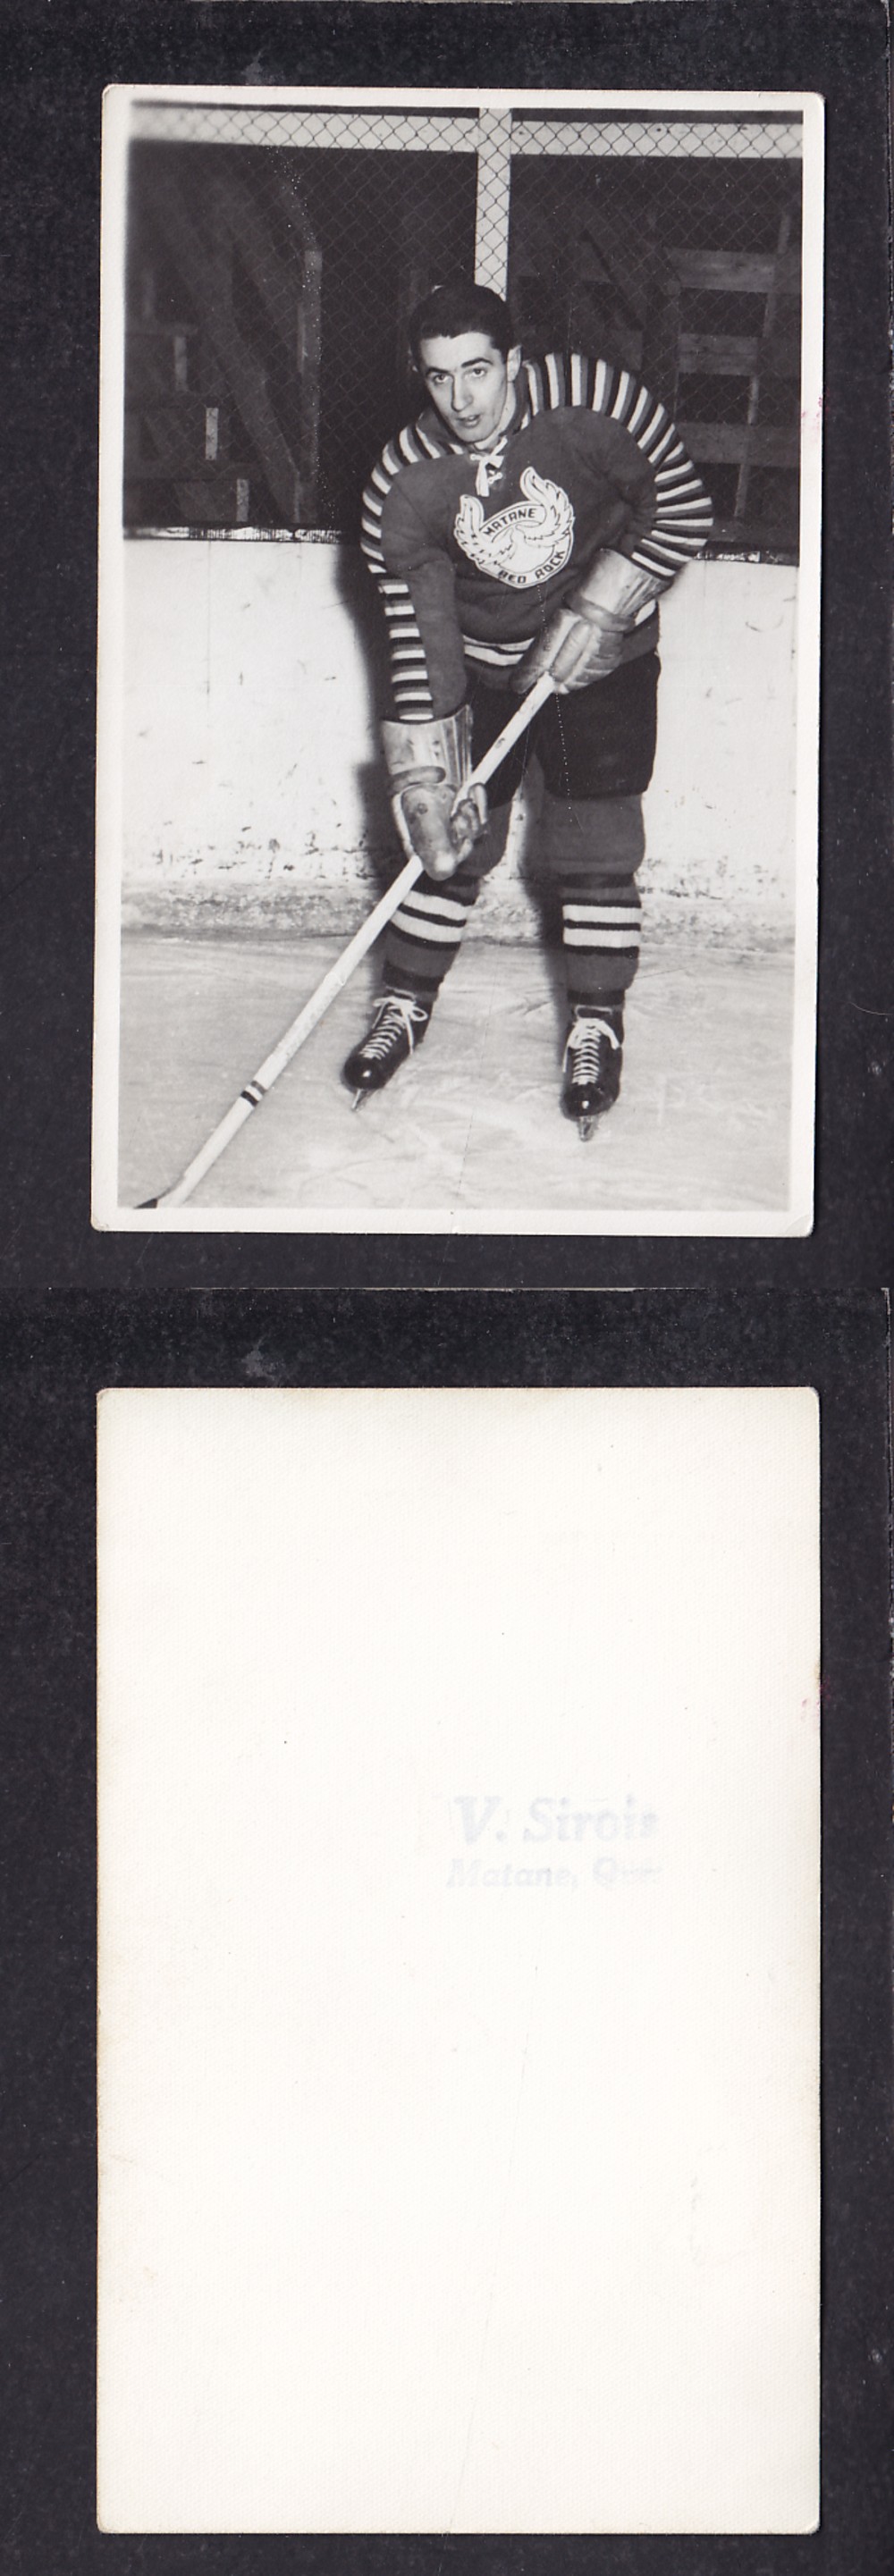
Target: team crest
{"x":523,"y":544}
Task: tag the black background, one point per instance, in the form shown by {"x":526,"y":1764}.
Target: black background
{"x":56,"y":59}
{"x":82,"y":1310}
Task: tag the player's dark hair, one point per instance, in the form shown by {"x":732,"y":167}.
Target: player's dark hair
{"x":448,"y":311}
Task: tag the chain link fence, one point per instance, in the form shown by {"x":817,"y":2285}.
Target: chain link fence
{"x":274,"y":255}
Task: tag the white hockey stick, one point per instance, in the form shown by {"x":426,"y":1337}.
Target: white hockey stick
{"x":268,"y":1073}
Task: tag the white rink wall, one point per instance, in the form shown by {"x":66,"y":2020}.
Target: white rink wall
{"x":252,"y":788}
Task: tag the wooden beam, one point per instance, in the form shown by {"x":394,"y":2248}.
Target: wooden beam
{"x":754,"y":391}
{"x":736,"y":272}
{"x":712,"y":442}
{"x":239,"y":363}
{"x":307,"y":349}
{"x":309,"y":345}
{"x":732,"y":353}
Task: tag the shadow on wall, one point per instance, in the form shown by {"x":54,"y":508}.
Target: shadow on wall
{"x":357,"y":596}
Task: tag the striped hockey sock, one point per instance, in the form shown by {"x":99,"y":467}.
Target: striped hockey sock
{"x":600,"y":938}
{"x":424,"y":935}
{"x":593,"y":846}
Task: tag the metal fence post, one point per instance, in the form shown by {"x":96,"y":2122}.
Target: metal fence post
{"x":492,"y":200}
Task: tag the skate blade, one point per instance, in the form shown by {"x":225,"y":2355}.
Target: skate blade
{"x":586,"y":1127}
{"x":359,"y":1098}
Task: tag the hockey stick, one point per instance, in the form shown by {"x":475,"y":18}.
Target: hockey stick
{"x":268,"y":1073}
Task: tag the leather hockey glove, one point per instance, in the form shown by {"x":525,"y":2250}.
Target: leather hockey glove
{"x":439,"y":817}
{"x":585,"y":639}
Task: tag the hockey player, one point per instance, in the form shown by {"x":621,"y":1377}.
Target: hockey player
{"x":528,"y":522}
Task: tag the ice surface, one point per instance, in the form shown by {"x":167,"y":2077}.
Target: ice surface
{"x":473,"y":1121}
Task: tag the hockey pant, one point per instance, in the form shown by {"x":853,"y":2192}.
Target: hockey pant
{"x":596,"y":748}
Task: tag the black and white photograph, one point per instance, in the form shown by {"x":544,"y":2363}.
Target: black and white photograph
{"x":458,"y":661}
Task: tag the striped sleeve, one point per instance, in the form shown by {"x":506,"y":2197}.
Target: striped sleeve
{"x":681,"y":516}
{"x":415,"y":582}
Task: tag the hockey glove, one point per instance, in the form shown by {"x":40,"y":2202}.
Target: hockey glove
{"x":585,"y":640}
{"x":439,"y":817}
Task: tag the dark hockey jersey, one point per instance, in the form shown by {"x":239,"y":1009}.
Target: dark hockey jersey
{"x":473,"y":550}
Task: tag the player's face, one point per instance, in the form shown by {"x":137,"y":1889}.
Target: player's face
{"x":469,"y":382}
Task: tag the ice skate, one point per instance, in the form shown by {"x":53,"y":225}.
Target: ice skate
{"x":399,"y":1024}
{"x":592,"y":1067}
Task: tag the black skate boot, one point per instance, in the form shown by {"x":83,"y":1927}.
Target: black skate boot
{"x":592,"y":1065}
{"x":399,"y":1024}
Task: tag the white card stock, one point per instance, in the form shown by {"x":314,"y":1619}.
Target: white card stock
{"x":459,"y":1823}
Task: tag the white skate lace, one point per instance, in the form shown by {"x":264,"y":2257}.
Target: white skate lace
{"x":394,"y":1012}
{"x":582,"y":1045}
